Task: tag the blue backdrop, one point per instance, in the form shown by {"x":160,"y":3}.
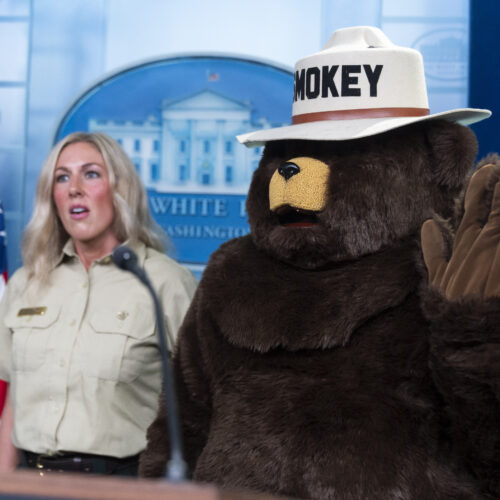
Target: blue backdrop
{"x":484,"y":76}
{"x":177,"y":119}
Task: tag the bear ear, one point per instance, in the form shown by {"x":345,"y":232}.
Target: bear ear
{"x":452,"y":150}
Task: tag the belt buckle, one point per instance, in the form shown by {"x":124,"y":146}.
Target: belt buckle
{"x":39,"y":465}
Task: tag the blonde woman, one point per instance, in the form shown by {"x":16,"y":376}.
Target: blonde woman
{"x":77,"y":335}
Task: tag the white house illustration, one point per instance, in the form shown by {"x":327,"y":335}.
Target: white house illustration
{"x":192,"y":147}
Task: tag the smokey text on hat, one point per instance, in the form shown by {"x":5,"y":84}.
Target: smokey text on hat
{"x":314,"y":81}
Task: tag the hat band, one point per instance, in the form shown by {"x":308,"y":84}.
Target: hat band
{"x":356,"y":114}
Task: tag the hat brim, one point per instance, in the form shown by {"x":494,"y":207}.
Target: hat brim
{"x":342,"y":130}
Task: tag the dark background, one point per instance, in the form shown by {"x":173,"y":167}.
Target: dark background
{"x":484,"y":71}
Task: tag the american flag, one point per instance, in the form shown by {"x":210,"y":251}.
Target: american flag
{"x":3,"y":253}
{"x":3,"y":281}
{"x":212,"y":76}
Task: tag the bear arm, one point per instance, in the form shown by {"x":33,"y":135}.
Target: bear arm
{"x":465,"y":364}
{"x":193,"y":402}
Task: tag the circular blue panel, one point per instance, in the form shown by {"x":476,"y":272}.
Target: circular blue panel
{"x":177,"y":119}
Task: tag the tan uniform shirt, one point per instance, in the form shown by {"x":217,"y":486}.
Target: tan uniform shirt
{"x":82,"y":355}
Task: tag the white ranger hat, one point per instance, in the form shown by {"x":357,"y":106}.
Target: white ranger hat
{"x":360,"y":84}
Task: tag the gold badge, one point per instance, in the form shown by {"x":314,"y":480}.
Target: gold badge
{"x":32,"y":311}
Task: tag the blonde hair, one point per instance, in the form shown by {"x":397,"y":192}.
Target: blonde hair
{"x":45,"y":236}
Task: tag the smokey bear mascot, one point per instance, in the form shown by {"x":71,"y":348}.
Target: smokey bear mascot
{"x":349,"y":346}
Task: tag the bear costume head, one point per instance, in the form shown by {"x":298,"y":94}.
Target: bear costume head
{"x":368,"y":192}
{"x":364,"y":163}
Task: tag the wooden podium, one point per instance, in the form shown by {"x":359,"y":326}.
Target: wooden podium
{"x":27,"y":484}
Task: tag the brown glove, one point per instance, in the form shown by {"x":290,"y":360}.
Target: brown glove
{"x":469,"y":263}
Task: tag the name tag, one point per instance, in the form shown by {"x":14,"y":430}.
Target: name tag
{"x":32,"y":311}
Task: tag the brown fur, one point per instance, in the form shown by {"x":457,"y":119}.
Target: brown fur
{"x":306,"y":366}
{"x":373,"y":196}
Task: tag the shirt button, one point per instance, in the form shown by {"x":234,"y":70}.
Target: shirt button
{"x":122,"y":315}
{"x":85,"y":285}
{"x":62,"y":363}
{"x":72,"y":322}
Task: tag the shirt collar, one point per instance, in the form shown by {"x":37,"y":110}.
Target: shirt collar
{"x":137,"y":246}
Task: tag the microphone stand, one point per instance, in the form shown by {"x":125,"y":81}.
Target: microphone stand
{"x":176,"y":468}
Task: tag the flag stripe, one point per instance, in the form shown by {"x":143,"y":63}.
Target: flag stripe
{"x":3,"y":281}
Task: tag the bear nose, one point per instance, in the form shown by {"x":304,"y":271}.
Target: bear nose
{"x":288,"y":170}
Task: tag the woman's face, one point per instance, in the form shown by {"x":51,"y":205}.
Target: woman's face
{"x":83,"y":197}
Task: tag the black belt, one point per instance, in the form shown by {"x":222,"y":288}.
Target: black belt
{"x":79,"y":462}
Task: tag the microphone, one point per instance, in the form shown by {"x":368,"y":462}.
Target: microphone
{"x":126,"y":259}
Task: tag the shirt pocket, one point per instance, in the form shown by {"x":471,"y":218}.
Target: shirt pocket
{"x":30,"y":337}
{"x":121,"y":342}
